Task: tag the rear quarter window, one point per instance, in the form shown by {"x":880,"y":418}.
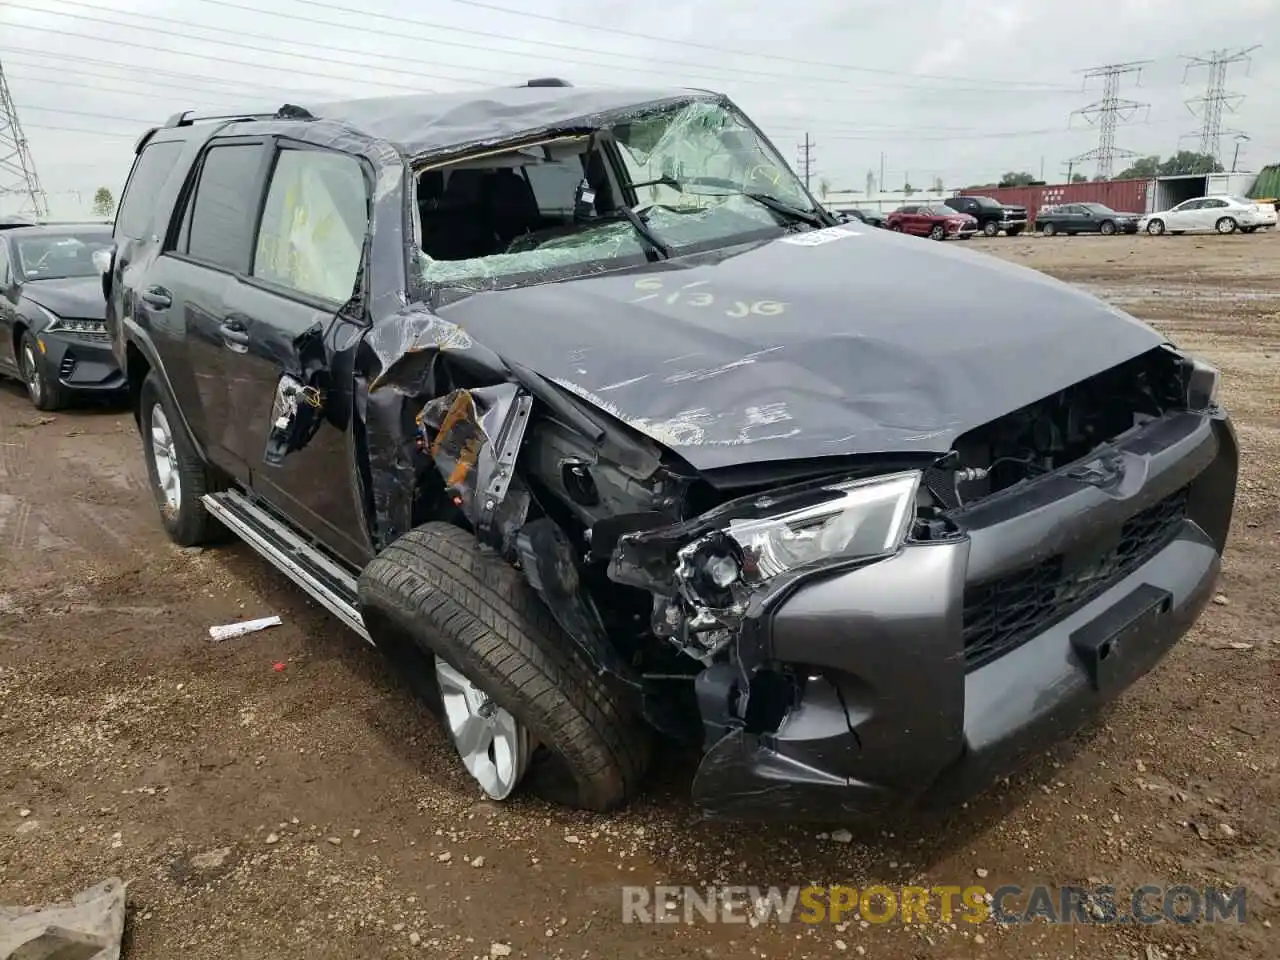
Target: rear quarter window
{"x":150,"y":171}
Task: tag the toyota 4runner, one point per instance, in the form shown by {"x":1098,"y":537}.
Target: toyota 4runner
{"x":580,"y":407}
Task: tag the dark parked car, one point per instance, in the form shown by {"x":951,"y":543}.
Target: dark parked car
{"x":872,"y":218}
{"x":934,"y":221}
{"x":992,"y":215}
{"x":590,"y":449}
{"x":1073,"y":218}
{"x":52,"y":333}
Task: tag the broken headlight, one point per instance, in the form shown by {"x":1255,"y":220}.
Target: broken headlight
{"x":856,"y":518}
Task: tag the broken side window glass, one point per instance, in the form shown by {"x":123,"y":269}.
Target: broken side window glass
{"x":313,"y":224}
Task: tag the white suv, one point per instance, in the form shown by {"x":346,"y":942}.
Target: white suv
{"x":1224,"y":214}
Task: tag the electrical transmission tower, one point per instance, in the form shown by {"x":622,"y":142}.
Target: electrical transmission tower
{"x":806,"y":159}
{"x":1107,"y":113}
{"x":1216,"y":98}
{"x":17,"y":171}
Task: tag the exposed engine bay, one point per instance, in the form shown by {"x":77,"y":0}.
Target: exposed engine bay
{"x":661,"y":574}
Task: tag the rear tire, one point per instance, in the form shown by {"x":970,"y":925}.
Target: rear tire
{"x":179,"y":478}
{"x":1226,"y":225}
{"x":438,"y":589}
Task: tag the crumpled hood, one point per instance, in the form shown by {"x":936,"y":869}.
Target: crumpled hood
{"x":844,"y":341}
{"x":79,"y":297}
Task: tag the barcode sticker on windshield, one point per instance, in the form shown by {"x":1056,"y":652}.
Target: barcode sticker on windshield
{"x":813,"y":238}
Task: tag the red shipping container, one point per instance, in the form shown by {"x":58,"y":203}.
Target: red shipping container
{"x":1122,"y":196}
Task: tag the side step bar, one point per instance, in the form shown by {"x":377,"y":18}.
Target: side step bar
{"x":326,"y":581}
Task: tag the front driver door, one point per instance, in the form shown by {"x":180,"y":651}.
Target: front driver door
{"x":1183,"y":216}
{"x":306,"y":258}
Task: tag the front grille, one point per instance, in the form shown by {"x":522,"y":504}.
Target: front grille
{"x":1006,"y":612}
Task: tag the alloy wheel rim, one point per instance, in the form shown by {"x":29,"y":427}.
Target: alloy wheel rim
{"x":493,"y":745}
{"x":31,"y":374}
{"x":165,"y":456}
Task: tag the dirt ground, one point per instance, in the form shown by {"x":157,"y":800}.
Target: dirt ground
{"x":282,"y":795}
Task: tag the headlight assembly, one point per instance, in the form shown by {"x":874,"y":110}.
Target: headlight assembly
{"x":858,"y":518}
{"x":768,"y":536}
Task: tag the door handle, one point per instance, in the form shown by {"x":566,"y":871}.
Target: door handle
{"x":234,"y":334}
{"x":157,"y":297}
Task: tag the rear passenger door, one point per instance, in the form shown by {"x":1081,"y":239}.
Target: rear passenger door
{"x":301,"y":269}
{"x":206,"y":249}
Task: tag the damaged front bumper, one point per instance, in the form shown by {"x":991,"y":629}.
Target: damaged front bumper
{"x":928,"y":674}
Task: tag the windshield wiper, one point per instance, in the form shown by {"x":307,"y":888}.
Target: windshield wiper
{"x":811,"y":217}
{"x":650,"y":238}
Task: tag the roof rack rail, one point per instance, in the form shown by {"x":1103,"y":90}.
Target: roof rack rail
{"x":287,"y":111}
{"x":548,"y":82}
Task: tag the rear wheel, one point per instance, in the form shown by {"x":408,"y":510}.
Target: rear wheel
{"x":938,"y":232}
{"x":1155,"y":227}
{"x":1226,"y":225}
{"x":516,"y":690}
{"x":1108,"y":227}
{"x":179,"y":478}
{"x":1049,"y":230}
{"x":45,"y":392}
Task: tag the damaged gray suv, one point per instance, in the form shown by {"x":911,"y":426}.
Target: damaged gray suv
{"x":579,"y":406}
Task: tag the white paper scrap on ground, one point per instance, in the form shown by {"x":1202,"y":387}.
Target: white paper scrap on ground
{"x":229,"y":630}
{"x":87,"y":927}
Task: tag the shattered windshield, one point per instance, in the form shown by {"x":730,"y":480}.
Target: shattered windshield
{"x":674,"y":178}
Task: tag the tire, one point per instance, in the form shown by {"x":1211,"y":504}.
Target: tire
{"x":1248,"y":229}
{"x":45,"y":394}
{"x":1226,"y":225}
{"x":437,"y":588}
{"x":896,"y":228}
{"x":937,"y":233}
{"x":1107,"y":228}
{"x":990,"y":228}
{"x":186,"y":522}
{"x":1049,"y":230}
{"x":1155,"y":227}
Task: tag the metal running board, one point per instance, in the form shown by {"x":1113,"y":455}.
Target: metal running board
{"x":328,"y":582}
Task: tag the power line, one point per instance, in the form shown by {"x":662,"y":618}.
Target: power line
{"x":1108,"y":112}
{"x":18,"y":177}
{"x":670,"y":41}
{"x":1216,"y":97}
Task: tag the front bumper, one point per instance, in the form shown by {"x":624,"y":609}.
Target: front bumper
{"x":899,"y":709}
{"x":80,"y":361}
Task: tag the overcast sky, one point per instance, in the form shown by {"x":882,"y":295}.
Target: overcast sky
{"x":958,"y":89}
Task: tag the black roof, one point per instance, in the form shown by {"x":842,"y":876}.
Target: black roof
{"x":423,"y":124}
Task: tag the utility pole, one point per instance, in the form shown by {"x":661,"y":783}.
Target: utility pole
{"x":1236,"y":157}
{"x":18,"y":176}
{"x":1107,"y":113}
{"x":882,"y":171}
{"x":806,"y":159}
{"x":1216,"y":96}
{"x":1071,"y":168}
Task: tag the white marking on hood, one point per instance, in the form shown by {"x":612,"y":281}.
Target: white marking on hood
{"x":706,"y":373}
{"x":620,"y":383}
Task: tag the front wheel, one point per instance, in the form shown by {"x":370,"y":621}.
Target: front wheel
{"x":1155,"y":228}
{"x":896,"y":228}
{"x":516,"y":689}
{"x":991,"y":228}
{"x":179,"y":478}
{"x":937,"y":233}
{"x":1107,"y":228}
{"x":1049,"y":230}
{"x":1226,"y":225}
{"x":45,"y":393}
